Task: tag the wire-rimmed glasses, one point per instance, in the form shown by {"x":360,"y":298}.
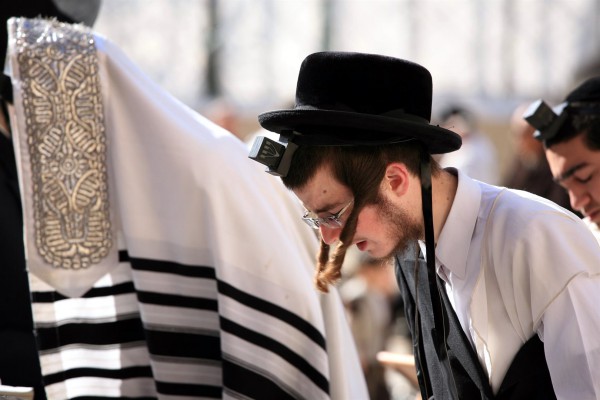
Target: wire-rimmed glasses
{"x":331,"y":221}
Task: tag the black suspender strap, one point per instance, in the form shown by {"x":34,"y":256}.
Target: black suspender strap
{"x":440,"y":316}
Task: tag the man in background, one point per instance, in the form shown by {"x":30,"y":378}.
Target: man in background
{"x":571,"y":136}
{"x":529,"y":169}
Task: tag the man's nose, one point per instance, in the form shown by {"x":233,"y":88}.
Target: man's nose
{"x":329,"y":235}
{"x":578,"y":198}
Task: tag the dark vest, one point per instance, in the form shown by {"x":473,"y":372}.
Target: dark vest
{"x":527,"y":378}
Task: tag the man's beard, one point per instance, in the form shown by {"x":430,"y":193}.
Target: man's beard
{"x":399,"y":226}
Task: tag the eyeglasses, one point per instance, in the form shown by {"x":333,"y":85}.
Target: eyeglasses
{"x":331,"y":221}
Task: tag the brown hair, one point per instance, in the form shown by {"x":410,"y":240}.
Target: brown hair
{"x":361,"y":169}
{"x":586,"y":124}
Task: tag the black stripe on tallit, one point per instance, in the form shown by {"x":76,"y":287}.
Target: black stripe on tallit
{"x":119,"y":374}
{"x":170,"y":267}
{"x":177,"y":301}
{"x":117,"y":332}
{"x":52,"y":297}
{"x":278,"y":348}
{"x":181,"y":389}
{"x":123,"y":256}
{"x":188,"y":345}
{"x":251,"y":384}
{"x":195,"y":346}
{"x":107,"y":397}
{"x":273,"y":310}
{"x":224,"y":288}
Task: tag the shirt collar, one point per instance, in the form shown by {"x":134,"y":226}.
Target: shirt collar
{"x":455,"y":238}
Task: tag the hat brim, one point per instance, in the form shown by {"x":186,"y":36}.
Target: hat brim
{"x":331,"y":127}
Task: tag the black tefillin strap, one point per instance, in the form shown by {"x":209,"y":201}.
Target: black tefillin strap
{"x":277,"y":155}
{"x":440,"y":334}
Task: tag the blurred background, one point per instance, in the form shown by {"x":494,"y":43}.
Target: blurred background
{"x":233,"y":59}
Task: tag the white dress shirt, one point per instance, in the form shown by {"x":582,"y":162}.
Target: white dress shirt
{"x":593,"y":227}
{"x":517,"y":265}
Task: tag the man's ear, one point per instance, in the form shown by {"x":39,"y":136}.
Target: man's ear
{"x":396,"y":178}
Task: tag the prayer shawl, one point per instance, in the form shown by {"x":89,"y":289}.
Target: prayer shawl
{"x":162,"y":262}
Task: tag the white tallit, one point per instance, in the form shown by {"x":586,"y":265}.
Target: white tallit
{"x":181,"y":269}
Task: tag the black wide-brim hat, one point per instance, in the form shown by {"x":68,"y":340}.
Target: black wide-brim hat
{"x":345,"y":98}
